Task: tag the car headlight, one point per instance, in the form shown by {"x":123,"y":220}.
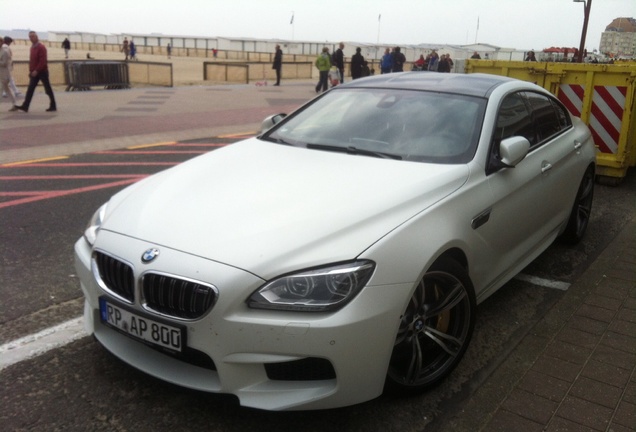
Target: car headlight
{"x":90,"y":234}
{"x":316,"y":290}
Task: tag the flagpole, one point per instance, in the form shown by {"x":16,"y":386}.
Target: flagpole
{"x":477,"y":31}
{"x":292,"y":24}
{"x":377,"y":45}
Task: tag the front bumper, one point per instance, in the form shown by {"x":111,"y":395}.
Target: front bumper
{"x":244,"y":343}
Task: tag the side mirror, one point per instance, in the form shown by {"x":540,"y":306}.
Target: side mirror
{"x":512,"y":150}
{"x":271,"y":121}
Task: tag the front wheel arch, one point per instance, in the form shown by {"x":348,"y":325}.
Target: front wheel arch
{"x":581,"y":209}
{"x":435,"y":329}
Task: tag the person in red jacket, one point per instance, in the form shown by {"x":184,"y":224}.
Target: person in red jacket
{"x":38,"y":71}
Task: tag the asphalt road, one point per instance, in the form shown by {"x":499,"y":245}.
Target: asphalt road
{"x":82,"y":387}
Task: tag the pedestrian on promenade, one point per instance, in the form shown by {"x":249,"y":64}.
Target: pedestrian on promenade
{"x":278,"y":63}
{"x":387,"y":62}
{"x":433,"y":61}
{"x":133,"y":50}
{"x":6,"y":64}
{"x":323,"y":63}
{"x":443,"y":65}
{"x":38,"y":71}
{"x":398,"y":60}
{"x":12,"y":85}
{"x":169,"y":50}
{"x":125,"y":48}
{"x":338,"y":60}
{"x":357,"y":62}
{"x":67,"y":46}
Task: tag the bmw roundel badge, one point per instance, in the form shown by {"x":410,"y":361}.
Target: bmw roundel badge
{"x":149,"y":255}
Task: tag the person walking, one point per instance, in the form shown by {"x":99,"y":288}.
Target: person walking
{"x":133,"y":50}
{"x":38,"y":71}
{"x":125,"y":48}
{"x":169,"y":48}
{"x":357,"y":61}
{"x":387,"y":62}
{"x":398,"y":60}
{"x":443,"y":65}
{"x":338,"y":61}
{"x":323,"y":63}
{"x":6,"y":63}
{"x":433,"y":61}
{"x":67,"y":46}
{"x":278,"y":63}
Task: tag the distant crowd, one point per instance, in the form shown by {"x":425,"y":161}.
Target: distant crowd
{"x":331,"y":66}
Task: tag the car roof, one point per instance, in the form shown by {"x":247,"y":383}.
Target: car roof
{"x":469,"y":84}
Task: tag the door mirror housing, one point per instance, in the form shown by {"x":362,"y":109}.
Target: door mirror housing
{"x":513,"y":150}
{"x":272,"y":120}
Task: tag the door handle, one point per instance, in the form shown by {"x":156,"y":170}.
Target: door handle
{"x":577,"y":145}
{"x":546,"y":167}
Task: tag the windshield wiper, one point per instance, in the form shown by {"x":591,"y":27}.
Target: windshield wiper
{"x":354,"y":151}
{"x":279,"y":141}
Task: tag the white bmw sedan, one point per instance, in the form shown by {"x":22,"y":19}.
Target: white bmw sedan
{"x":343,"y":251}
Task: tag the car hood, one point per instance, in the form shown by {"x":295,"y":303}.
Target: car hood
{"x":269,"y":208}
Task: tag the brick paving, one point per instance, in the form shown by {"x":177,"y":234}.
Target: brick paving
{"x":585,"y":377}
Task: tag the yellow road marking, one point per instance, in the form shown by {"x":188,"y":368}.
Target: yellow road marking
{"x":35,"y":161}
{"x":152,"y":145}
{"x":236,"y":135}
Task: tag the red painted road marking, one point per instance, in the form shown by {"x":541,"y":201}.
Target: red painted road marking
{"x":57,"y":194}
{"x":94,"y":164}
{"x":32,"y":196}
{"x":72,"y":177}
{"x":199,"y":145}
{"x":150,"y":152}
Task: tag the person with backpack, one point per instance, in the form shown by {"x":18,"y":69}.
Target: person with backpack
{"x":398,"y":60}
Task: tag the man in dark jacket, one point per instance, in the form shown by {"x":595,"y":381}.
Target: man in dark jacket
{"x":338,"y":61}
{"x":357,"y":63}
{"x":278,"y":63}
{"x":398,"y":60}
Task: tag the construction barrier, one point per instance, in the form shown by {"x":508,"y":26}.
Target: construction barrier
{"x":603,"y":96}
{"x":234,"y":72}
{"x":82,"y":75}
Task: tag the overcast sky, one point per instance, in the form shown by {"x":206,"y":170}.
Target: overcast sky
{"x":521,"y":24}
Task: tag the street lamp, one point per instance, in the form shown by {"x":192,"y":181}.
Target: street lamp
{"x":587,"y":4}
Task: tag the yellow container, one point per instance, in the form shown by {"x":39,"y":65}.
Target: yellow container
{"x":604,"y":96}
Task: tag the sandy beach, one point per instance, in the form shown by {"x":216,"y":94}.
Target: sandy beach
{"x":186,"y":70}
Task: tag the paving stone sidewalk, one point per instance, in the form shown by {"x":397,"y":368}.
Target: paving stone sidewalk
{"x":576,"y":370}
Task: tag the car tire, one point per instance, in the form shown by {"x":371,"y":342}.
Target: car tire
{"x":580,"y":214}
{"x":435,"y":329}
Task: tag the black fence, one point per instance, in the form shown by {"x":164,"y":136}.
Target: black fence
{"x":82,"y":75}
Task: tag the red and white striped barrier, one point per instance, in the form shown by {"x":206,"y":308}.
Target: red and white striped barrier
{"x":606,"y":113}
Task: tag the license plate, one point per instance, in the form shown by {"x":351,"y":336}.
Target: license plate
{"x":140,"y":327}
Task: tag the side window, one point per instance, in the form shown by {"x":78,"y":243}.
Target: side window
{"x":564,"y":118}
{"x":547,"y":119}
{"x":514,"y":119}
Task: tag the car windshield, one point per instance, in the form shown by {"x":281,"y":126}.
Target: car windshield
{"x":400,"y":124}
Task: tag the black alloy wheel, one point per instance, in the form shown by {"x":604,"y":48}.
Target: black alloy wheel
{"x":434,"y":330}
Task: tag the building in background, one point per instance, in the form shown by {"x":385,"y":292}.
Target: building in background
{"x":619,"y":39}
